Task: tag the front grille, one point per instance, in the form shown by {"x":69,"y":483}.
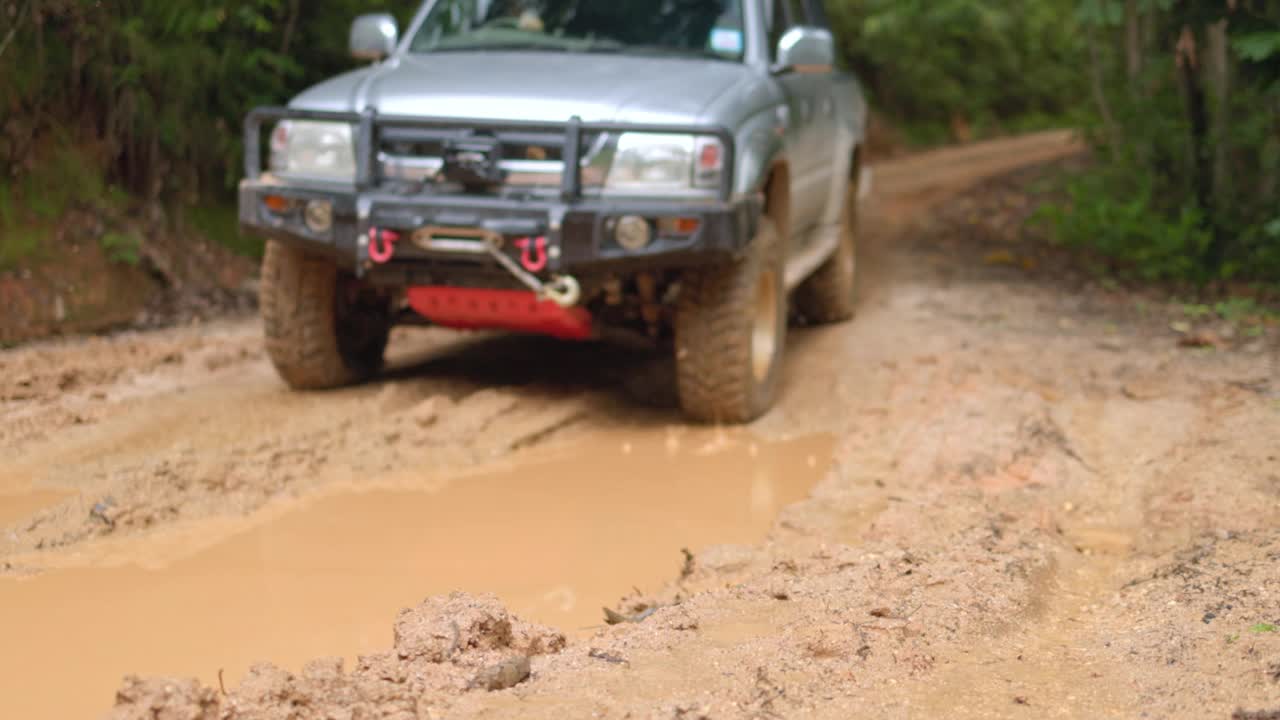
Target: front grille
{"x":529,"y":159}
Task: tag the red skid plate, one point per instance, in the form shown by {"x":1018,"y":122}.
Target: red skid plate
{"x":517,"y":310}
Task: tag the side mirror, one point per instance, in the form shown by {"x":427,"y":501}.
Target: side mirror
{"x":805,"y":50}
{"x":374,"y":37}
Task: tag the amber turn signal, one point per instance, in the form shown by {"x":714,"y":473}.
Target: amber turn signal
{"x":277,"y":204}
{"x":682,"y":226}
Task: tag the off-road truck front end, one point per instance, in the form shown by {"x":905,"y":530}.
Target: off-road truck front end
{"x":525,"y":169}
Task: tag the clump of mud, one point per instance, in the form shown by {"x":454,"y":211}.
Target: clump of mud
{"x":444,"y":647}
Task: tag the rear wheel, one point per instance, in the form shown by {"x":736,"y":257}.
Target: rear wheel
{"x":730,"y":329}
{"x":829,"y":295}
{"x":324,"y":328}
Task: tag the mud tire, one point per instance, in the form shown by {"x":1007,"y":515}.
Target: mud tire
{"x":322,"y":330}
{"x":829,"y":295}
{"x":719,"y":316}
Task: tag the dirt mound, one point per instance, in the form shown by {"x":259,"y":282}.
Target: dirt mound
{"x":746,"y":637}
{"x":441,"y":628}
{"x":444,"y":647}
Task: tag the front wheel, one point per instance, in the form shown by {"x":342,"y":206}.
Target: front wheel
{"x":324,"y":329}
{"x":730,"y":330}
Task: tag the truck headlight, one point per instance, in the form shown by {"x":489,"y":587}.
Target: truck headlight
{"x":661,"y":162}
{"x":314,"y":150}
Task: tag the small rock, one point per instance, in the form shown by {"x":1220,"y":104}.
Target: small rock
{"x":608,"y":657}
{"x":425,"y":413}
{"x":105,"y":511}
{"x":1203,"y":339}
{"x":613,"y":617}
{"x":506,"y":674}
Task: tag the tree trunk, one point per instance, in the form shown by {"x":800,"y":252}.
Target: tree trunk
{"x":1201,"y":162}
{"x":290,"y":26}
{"x":1098,"y":85}
{"x":1271,"y":156}
{"x":1133,"y":46}
{"x":1218,"y":74}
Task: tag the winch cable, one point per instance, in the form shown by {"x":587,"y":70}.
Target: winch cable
{"x":563,"y":290}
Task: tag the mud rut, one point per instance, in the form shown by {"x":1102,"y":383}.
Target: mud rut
{"x":1037,"y":503}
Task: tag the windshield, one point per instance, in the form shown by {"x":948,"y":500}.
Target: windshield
{"x":709,"y":28}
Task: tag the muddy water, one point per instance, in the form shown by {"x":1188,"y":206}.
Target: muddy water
{"x":555,"y":539}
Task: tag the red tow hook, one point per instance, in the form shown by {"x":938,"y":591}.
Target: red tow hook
{"x":381,"y":254}
{"x":533,"y":253}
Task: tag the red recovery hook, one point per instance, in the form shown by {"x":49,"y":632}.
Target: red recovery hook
{"x":533,"y":253}
{"x":382,"y":254}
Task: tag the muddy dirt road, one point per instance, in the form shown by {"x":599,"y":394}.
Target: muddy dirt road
{"x":994,"y":494}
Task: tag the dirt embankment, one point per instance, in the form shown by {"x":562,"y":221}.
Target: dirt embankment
{"x":82,"y":276}
{"x":1043,"y":499}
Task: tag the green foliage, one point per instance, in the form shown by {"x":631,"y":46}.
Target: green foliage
{"x":125,"y":248}
{"x":1258,"y":47}
{"x":1129,"y":227}
{"x":18,"y":246}
{"x":936,"y":66}
{"x":1187,"y":180}
{"x":220,"y":223}
{"x":33,"y":203}
{"x":1232,"y":309}
{"x":159,"y":87}
{"x":1264,"y":628}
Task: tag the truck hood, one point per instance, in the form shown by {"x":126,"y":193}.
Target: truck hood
{"x":538,"y":86}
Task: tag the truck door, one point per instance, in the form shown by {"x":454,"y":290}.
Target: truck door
{"x":810,"y":103}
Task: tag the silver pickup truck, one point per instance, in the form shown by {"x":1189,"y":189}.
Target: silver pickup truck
{"x":680,"y":169}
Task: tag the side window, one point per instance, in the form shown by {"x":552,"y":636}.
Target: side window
{"x":785,"y":15}
{"x":818,"y":14}
{"x":798,"y":12}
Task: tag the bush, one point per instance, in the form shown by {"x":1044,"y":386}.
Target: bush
{"x":941,"y":68}
{"x":1187,"y":140}
{"x":1105,"y":212}
{"x":159,"y":87}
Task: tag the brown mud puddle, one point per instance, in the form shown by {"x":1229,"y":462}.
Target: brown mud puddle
{"x":555,"y":539}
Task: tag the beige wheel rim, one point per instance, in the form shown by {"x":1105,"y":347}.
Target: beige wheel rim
{"x":848,"y":254}
{"x":764,"y":329}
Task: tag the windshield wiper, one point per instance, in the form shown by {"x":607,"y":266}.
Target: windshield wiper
{"x":540,"y":47}
{"x":657,"y":51}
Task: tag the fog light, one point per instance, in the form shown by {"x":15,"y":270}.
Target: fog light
{"x":633,"y":233}
{"x":319,"y":216}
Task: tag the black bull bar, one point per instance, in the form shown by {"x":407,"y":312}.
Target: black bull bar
{"x":371,"y":128}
